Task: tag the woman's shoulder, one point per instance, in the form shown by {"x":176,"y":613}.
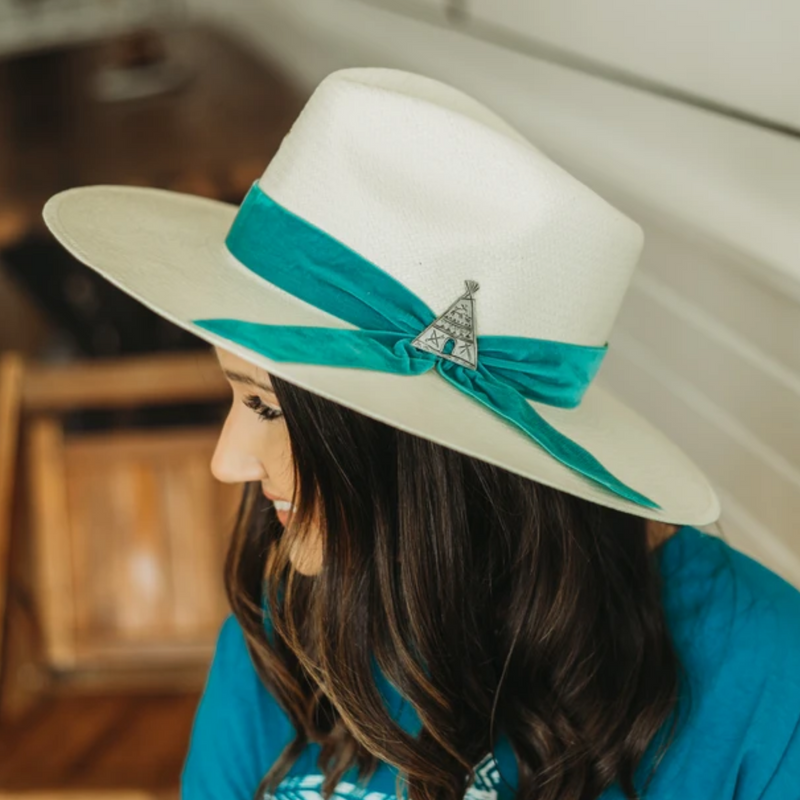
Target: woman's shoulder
{"x":768,"y":609}
{"x":736,"y":627}
{"x":232,"y":660}
{"x":231,"y":643}
{"x":232,"y":670}
{"x":239,"y":728}
{"x":694,"y":562}
{"x":732,"y":614}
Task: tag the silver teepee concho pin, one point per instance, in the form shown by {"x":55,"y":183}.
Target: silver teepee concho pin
{"x":452,"y":334}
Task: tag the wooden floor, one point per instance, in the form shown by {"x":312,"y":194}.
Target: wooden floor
{"x":98,"y":743}
{"x":52,"y":739}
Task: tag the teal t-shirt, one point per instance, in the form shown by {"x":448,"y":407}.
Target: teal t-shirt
{"x":736,"y":626}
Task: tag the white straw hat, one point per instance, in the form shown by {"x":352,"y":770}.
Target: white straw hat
{"x":435,"y":270}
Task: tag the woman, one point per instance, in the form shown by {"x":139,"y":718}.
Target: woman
{"x":460,"y":567}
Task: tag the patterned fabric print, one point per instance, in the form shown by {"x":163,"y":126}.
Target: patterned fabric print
{"x":307,"y":787}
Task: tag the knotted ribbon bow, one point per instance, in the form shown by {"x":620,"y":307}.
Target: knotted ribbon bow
{"x":303,"y":260}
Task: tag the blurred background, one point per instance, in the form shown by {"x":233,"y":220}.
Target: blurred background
{"x":112,"y":531}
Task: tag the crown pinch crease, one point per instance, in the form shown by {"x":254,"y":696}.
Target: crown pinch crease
{"x":295,"y":255}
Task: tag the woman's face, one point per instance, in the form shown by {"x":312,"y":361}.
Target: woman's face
{"x":254,"y":446}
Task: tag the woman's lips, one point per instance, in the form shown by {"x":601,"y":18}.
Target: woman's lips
{"x":282,"y":507}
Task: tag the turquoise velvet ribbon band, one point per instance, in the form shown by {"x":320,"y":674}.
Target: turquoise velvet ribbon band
{"x":308,"y":263}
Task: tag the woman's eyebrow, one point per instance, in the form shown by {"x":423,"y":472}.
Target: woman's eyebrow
{"x":240,"y":377}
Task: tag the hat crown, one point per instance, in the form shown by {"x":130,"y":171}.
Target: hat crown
{"x":435,"y":189}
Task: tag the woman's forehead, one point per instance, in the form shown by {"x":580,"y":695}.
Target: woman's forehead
{"x":230,"y":362}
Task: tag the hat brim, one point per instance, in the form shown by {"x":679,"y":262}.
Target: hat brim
{"x":167,"y":250}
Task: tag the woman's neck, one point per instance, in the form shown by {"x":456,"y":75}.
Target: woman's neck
{"x":659,"y":532}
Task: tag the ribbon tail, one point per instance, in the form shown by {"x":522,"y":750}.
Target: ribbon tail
{"x":384,"y":351}
{"x":512,"y":406}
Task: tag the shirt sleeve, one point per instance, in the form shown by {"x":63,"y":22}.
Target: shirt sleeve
{"x":771,"y":770}
{"x":239,"y":728}
{"x":785,"y":781}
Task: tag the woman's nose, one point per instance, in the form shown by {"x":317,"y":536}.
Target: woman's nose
{"x":235,"y":457}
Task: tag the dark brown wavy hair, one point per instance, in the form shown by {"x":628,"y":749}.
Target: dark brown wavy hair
{"x":492,"y":603}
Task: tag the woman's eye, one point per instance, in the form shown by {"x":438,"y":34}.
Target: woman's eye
{"x":264,"y":411}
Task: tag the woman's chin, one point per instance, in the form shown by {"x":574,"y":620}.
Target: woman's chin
{"x":306,"y":563}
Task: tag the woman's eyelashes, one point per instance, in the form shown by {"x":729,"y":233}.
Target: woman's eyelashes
{"x":264,"y":411}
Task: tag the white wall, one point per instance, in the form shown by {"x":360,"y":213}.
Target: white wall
{"x":706,"y":344}
{"x":742,"y":53}
{"x":27,"y":26}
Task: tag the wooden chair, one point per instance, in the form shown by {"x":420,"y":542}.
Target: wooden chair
{"x":128,"y":528}
{"x":10,"y":396}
